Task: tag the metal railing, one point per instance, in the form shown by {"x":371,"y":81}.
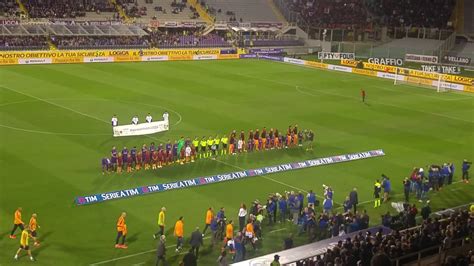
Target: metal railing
{"x":420,"y":255}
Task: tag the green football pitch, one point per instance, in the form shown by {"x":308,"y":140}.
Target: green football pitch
{"x":55,"y":128}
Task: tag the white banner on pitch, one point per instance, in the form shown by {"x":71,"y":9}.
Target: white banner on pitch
{"x":141,"y":129}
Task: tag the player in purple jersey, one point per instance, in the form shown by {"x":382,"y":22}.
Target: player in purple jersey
{"x":113,"y":158}
{"x":152,"y":147}
{"x":168,"y":146}
{"x":105,"y":165}
{"x":125,"y":156}
{"x":133,"y":153}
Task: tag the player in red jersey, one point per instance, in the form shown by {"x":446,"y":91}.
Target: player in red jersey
{"x":119,"y":163}
{"x":147,"y":159}
{"x":288,"y":139}
{"x":129,"y":163}
{"x":139,"y":161}
{"x":362,"y":95}
{"x":154,"y":160}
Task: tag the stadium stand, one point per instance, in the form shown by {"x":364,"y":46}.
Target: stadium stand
{"x":160,"y":10}
{"x":398,"y":246}
{"x":421,"y":13}
{"x":176,"y":39}
{"x":23,"y":43}
{"x":331,"y":14}
{"x":71,"y":9}
{"x":104,"y":42}
{"x":9,"y":9}
{"x":240,"y":11}
{"x":399,"y":47}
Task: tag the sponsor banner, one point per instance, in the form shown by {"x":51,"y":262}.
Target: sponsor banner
{"x":448,"y":85}
{"x":105,"y":53}
{"x":435,"y":76}
{"x":365,"y":72}
{"x":183,"y":52}
{"x":293,"y":61}
{"x":229,"y":51}
{"x":266,"y":25}
{"x":248,"y":56}
{"x":316,"y":64}
{"x":141,"y":129}
{"x":154,"y":23}
{"x":351,"y":63}
{"x":155,"y":58}
{"x":270,"y":57}
{"x":390,"y":76}
{"x":340,"y":68}
{"x":421,"y":58}
{"x":386,"y":61}
{"x":390,"y":69}
{"x":221,"y":26}
{"x":266,"y":51}
{"x":335,"y":56}
{"x":441,"y":69}
{"x":228,"y":56}
{"x":127,"y":58}
{"x":8,"y":61}
{"x":205,"y":57}
{"x":180,"y":57}
{"x":34,"y":61}
{"x":199,"y":181}
{"x":170,"y":24}
{"x":421,"y":81}
{"x":102,"y":59}
{"x":457,"y":60}
{"x":469,"y":89}
{"x":9,"y":22}
{"x":70,"y":60}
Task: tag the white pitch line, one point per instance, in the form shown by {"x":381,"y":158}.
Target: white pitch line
{"x":55,"y":104}
{"x":134,"y":255}
{"x":64,"y":107}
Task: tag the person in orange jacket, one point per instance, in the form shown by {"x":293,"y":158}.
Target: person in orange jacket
{"x":209,"y":216}
{"x":179,"y":233}
{"x":121,"y":231}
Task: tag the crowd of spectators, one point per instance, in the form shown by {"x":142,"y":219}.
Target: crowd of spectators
{"x":332,"y":14}
{"x":9,"y":8}
{"x":90,"y":42}
{"x":420,"y":13}
{"x":23,"y":42}
{"x":66,"y":8}
{"x":187,"y":38}
{"x":133,"y":9}
{"x":364,"y":248}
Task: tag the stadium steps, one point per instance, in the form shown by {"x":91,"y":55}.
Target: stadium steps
{"x":120,"y":10}
{"x":277,"y":12}
{"x":202,"y":13}
{"x":22,"y":7}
